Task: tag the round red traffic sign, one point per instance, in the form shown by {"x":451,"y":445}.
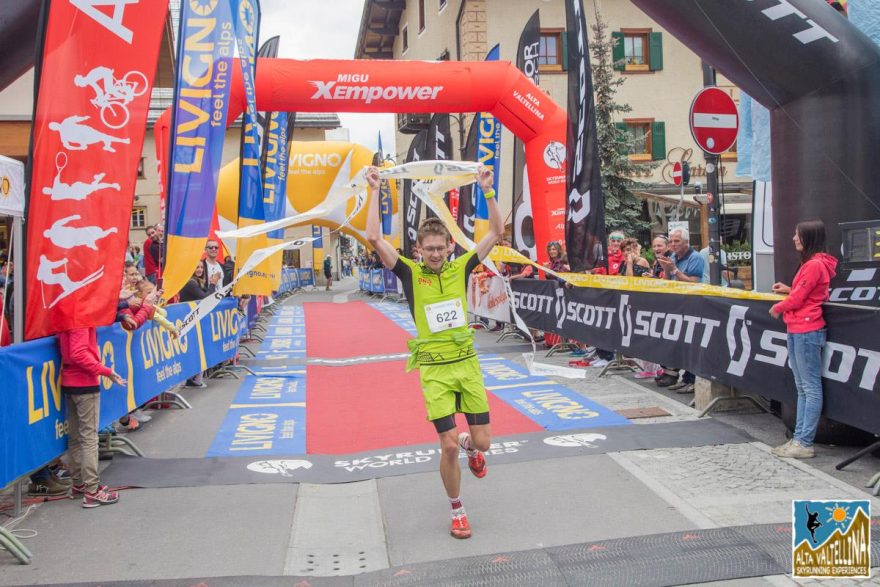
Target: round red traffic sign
{"x":676,"y":173}
{"x":714,"y":120}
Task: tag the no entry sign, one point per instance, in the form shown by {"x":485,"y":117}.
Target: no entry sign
{"x":676,"y":173}
{"x":714,"y":120}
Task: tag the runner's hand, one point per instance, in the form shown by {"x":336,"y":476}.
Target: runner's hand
{"x":373,"y":177}
{"x":486,"y":178}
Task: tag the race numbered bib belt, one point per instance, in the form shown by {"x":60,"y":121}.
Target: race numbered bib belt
{"x":445,"y":315}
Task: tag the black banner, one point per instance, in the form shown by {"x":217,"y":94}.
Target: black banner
{"x":467,"y":213}
{"x":412,"y":206}
{"x":732,"y":341}
{"x":585,"y":207}
{"x":523,"y":225}
{"x":439,"y":145}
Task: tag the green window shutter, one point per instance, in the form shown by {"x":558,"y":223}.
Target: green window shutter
{"x":655,"y":51}
{"x":658,"y":141}
{"x":618,"y":54}
{"x":621,"y":126}
{"x":563,"y":50}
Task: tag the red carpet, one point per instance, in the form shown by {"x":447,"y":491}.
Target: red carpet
{"x":366,"y":407}
{"x":336,"y":331}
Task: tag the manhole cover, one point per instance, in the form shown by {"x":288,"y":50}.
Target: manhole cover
{"x":649,"y":412}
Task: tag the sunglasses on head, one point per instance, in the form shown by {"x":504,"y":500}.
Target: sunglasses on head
{"x":615,"y":238}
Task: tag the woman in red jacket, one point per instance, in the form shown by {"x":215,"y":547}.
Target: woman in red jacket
{"x":80,"y":368}
{"x":802,"y":313}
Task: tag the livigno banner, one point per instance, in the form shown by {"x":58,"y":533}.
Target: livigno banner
{"x":33,"y":422}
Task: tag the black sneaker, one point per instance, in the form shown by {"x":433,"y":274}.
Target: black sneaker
{"x":666,"y":380}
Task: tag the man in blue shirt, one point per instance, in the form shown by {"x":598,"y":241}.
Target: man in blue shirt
{"x":685,"y":265}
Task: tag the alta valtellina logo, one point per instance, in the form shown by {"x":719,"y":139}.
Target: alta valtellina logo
{"x":831,"y":538}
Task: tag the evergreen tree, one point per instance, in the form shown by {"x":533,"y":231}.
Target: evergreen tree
{"x":623,"y":210}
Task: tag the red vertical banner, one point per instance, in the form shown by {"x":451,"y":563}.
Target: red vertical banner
{"x":94,"y":81}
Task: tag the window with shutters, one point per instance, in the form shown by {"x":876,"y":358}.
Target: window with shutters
{"x":138,"y":217}
{"x":551,"y":50}
{"x":637,"y":50}
{"x":649,"y":138}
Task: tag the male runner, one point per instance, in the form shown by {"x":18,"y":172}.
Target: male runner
{"x":450,"y":374}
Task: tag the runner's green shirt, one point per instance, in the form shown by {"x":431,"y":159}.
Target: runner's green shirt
{"x":438,"y":304}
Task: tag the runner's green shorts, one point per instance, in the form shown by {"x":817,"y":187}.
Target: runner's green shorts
{"x":455,"y":387}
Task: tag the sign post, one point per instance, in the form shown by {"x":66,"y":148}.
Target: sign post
{"x":714,"y":123}
{"x":677,"y":180}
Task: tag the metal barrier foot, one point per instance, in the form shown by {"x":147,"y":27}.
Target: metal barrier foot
{"x":171,"y":398}
{"x":727,"y":398}
{"x":561,"y":347}
{"x":857,"y":456}
{"x":619,"y":363}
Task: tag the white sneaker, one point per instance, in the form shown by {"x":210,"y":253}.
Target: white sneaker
{"x":794,"y":450}
{"x":599,"y":363}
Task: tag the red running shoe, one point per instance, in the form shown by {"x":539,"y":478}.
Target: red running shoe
{"x":476,"y":463}
{"x":460,"y":528}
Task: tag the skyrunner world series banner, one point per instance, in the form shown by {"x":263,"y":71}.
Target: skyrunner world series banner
{"x":93,"y":78}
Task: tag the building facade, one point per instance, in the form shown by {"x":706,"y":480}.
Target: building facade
{"x":661,"y":78}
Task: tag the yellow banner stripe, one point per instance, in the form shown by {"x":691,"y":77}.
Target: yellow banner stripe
{"x":641,"y":284}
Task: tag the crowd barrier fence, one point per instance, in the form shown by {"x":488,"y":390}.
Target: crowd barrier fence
{"x":33,"y":423}
{"x":732,"y":341}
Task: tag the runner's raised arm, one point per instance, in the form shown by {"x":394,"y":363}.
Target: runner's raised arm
{"x":485,"y":177}
{"x":374,"y":229}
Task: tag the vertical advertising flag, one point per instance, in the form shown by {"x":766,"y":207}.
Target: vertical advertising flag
{"x":93,"y":81}
{"x":412,"y":205}
{"x":229,"y":247}
{"x":527,"y":53}
{"x":275,"y":170}
{"x":439,"y":145}
{"x":201,"y":100}
{"x":251,"y":208}
{"x":385,"y":206}
{"x":488,"y":154}
{"x":465,"y":217}
{"x":585,"y":206}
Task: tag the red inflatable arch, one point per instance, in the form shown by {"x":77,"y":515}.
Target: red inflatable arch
{"x":496,"y":87}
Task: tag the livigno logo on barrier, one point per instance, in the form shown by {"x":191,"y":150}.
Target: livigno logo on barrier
{"x":831,"y":538}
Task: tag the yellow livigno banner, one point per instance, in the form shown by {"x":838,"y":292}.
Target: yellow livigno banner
{"x":315,"y":168}
{"x":645,"y":284}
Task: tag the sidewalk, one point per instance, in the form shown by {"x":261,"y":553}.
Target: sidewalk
{"x":662,"y":516}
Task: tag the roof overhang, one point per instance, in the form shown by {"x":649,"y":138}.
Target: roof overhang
{"x":380,"y":25}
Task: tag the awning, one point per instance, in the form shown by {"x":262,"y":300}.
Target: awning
{"x":733,"y":203}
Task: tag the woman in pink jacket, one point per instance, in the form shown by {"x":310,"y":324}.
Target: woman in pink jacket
{"x":802,"y":313}
{"x":80,"y":368}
